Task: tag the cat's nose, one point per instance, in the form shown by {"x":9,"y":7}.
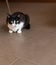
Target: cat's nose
{"x":13,"y":24}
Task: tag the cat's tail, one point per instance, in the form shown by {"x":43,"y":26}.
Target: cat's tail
{"x":27,"y":22}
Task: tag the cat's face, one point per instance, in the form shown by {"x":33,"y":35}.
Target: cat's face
{"x":13,"y":20}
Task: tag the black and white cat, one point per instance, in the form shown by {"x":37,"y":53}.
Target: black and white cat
{"x":18,"y":21}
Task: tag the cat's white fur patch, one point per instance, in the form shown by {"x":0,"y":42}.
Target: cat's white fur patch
{"x":10,"y":31}
{"x":14,"y":23}
{"x":19,"y":31}
{"x":16,"y":27}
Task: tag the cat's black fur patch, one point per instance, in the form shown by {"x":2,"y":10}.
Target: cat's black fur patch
{"x":19,"y":16}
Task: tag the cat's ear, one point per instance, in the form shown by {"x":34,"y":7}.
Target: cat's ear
{"x":8,"y":15}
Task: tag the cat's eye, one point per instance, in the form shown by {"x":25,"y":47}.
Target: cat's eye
{"x":11,"y":21}
{"x":18,"y":22}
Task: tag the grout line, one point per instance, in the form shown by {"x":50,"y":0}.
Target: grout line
{"x":13,"y":61}
{"x":20,"y":58}
{"x":33,"y":62}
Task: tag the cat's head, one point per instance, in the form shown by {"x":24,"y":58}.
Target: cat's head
{"x":13,"y":20}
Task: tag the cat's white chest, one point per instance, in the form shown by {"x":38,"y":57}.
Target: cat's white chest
{"x":16,"y":27}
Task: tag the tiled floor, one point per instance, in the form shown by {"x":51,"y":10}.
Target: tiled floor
{"x":36,"y":46}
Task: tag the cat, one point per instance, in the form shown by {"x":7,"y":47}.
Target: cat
{"x":18,"y":21}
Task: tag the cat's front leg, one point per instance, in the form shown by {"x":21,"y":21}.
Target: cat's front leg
{"x":10,"y":31}
{"x":19,"y":31}
{"x":20,"y":27}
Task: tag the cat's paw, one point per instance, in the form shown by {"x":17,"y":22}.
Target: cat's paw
{"x":19,"y":31}
{"x":10,"y":31}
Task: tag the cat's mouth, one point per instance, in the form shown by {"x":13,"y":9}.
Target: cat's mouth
{"x":13,"y":25}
